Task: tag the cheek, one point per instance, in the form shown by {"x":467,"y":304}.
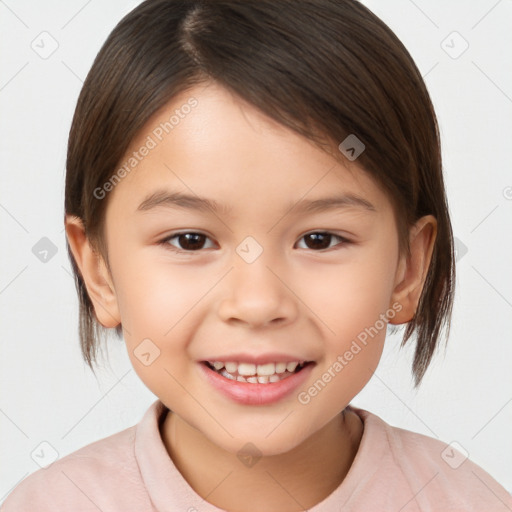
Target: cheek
{"x":154,"y":296}
{"x":353,"y":343}
{"x":156,"y":303}
{"x":352,"y":295}
{"x":352,"y":300}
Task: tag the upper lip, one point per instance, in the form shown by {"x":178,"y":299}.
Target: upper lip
{"x":258,"y":358}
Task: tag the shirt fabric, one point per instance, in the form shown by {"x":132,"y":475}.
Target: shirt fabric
{"x":394,"y":470}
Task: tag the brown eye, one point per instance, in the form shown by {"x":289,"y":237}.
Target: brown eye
{"x":191,"y":241}
{"x":187,"y":241}
{"x":322,"y":240}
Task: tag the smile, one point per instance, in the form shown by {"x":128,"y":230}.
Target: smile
{"x":256,"y":384}
{"x":256,"y":374}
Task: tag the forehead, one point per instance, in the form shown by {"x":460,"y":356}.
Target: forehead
{"x":209,"y":142}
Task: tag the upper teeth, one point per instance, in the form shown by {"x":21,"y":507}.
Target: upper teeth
{"x":246,"y":369}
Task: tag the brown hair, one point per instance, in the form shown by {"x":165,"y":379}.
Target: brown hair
{"x":323,"y":68}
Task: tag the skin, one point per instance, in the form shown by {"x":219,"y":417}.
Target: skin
{"x":292,"y":299}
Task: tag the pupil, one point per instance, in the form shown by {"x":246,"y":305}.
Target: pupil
{"x":320,"y":240}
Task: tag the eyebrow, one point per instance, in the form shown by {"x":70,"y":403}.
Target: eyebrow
{"x":168,"y":199}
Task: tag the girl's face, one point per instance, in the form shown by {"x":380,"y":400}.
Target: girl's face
{"x":236,"y":241}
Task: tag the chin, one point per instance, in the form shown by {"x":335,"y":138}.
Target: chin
{"x":264,"y":441}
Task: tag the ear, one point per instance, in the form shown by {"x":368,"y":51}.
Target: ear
{"x":95,"y":274}
{"x":412,"y":270}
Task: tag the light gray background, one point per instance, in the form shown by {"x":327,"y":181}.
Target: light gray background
{"x":47,"y":392}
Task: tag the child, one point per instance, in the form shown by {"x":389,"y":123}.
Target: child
{"x":216,"y":147}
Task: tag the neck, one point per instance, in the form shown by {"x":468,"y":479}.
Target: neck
{"x":292,"y":481}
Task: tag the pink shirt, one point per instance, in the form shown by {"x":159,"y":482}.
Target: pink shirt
{"x":394,"y":470}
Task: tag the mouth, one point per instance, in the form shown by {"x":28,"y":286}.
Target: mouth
{"x":267,"y":373}
{"x":256,"y":384}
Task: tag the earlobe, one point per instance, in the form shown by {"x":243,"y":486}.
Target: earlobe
{"x":95,"y":274}
{"x":412,"y":270}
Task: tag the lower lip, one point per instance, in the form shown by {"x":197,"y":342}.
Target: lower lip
{"x":256,"y":394}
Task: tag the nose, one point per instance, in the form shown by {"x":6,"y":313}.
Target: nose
{"x":256,"y":295}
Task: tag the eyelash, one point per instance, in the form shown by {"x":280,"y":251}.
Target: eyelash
{"x":167,"y":245}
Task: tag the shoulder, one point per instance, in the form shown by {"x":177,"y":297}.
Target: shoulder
{"x":441,"y":473}
{"x":86,"y":479}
